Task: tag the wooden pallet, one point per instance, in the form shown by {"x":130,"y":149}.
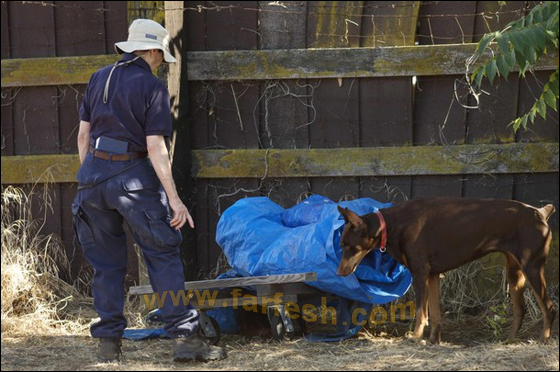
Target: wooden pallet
{"x":273,"y":291}
{"x":261,"y":282}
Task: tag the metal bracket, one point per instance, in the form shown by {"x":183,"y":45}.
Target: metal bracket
{"x":286,"y":321}
{"x":206,"y":324}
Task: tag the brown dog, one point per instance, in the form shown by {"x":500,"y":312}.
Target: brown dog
{"x":431,"y":236}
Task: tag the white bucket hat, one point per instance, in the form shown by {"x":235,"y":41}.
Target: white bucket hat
{"x":145,"y":34}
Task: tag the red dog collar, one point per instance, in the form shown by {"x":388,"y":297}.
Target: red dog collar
{"x":383,"y":246}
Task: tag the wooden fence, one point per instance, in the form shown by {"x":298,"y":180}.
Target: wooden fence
{"x":285,"y":99}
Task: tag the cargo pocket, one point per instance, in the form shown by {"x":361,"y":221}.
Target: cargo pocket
{"x":133,"y":184}
{"x":164,"y":235}
{"x":81,"y":227}
{"x":143,"y":177}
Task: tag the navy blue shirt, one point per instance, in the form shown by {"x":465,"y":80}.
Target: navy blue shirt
{"x":137,"y":105}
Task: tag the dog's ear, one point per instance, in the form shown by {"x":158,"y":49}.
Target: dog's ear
{"x":352,"y":217}
{"x":343,"y":212}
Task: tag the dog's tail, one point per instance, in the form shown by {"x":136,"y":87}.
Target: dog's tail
{"x":547,"y":211}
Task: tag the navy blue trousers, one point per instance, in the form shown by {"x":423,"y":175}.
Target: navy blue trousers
{"x":137,"y":197}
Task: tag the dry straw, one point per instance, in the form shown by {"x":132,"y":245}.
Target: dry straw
{"x":34,"y":298}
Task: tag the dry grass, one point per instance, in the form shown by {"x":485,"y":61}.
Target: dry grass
{"x":367,"y":352}
{"x":45,"y":325}
{"x":34,"y":298}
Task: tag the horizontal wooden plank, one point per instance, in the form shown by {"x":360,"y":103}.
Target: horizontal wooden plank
{"x":52,"y":71}
{"x":40,"y":168}
{"x":417,"y":60}
{"x":234,"y":282}
{"x":420,"y":60}
{"x":342,"y":162}
{"x":378,"y":161}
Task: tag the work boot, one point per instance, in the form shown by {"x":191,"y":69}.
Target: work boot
{"x":109,"y":350}
{"x":194,"y":348}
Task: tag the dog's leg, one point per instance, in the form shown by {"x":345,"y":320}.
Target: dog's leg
{"x":535,"y":276}
{"x":516,"y":281}
{"x":434,"y":309}
{"x":533,"y":269}
{"x":420,"y":283}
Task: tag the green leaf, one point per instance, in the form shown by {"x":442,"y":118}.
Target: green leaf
{"x":523,"y":68}
{"x":549,"y":98}
{"x":536,"y":41}
{"x":529,"y":20}
{"x":532,"y":114}
{"x":537,"y":14}
{"x":528,"y":45}
{"x":516,"y":24}
{"x":553,"y":83}
{"x":521,"y":44}
{"x":542,"y":36}
{"x":552,"y":24}
{"x":503,"y":43}
{"x":503,"y":68}
{"x":532,"y":56}
{"x":491,"y":70}
{"x":541,"y":108}
{"x":510,"y":59}
{"x":524,"y":121}
{"x":483,"y":44}
{"x":554,"y":40}
{"x":516,"y":40}
{"x":474,"y":75}
{"x":546,"y":11}
{"x":520,"y":58}
{"x":479,"y":77}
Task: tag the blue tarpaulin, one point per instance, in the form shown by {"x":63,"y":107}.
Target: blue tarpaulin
{"x":259,"y":237}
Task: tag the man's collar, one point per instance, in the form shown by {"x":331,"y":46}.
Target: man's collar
{"x":140,"y":61}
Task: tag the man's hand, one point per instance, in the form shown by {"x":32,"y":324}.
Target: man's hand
{"x":180,"y":214}
{"x":160,"y":160}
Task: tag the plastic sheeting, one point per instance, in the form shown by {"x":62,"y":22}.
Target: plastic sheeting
{"x":259,"y":237}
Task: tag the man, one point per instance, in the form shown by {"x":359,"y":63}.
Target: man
{"x":126,"y":176}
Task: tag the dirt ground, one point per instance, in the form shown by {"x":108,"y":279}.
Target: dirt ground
{"x":465,"y":346}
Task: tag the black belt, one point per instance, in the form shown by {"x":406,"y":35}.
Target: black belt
{"x":117,"y":157}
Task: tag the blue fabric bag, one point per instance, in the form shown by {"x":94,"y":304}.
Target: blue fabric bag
{"x":259,"y":237}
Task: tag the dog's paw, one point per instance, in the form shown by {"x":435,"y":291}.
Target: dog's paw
{"x":409,"y":338}
{"x":512,"y":341}
{"x":434,"y":341}
{"x":545,"y":341}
